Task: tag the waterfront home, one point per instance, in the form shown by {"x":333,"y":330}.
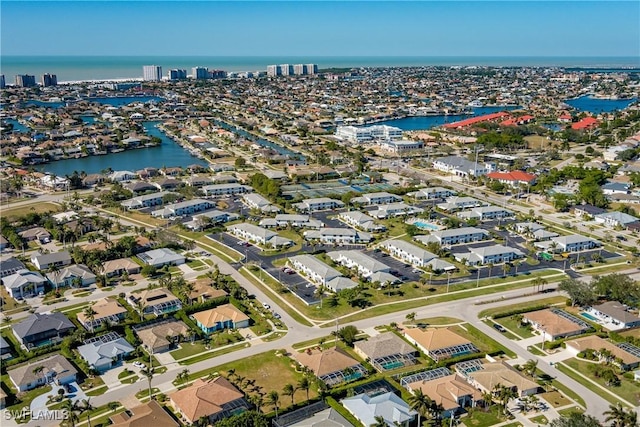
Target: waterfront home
{"x":92,"y":179}
{"x":105,"y":351}
{"x":338,"y":236}
{"x":147,"y":414}
{"x":454,"y":236}
{"x":55,"y":369}
{"x":104,"y":310}
{"x":364,"y":264}
{"x":217,"y":190}
{"x":462,"y":167}
{"x":615,"y":219}
{"x":555,"y":323}
{"x":486,"y":376}
{"x":386,"y":351}
{"x":10,"y":265}
{"x":318,"y":204}
{"x":117,"y":267}
{"x":160,"y":257}
{"x":213,"y":400}
{"x":395,"y":209}
{"x":332,"y":366}
{"x":222,"y":317}
{"x":180,"y":209}
{"x":494,"y":254}
{"x":361,"y":221}
{"x":485,"y":213}
{"x":452,"y":392}
{"x":45,"y":261}
{"x":24,"y":284}
{"x":513,"y":178}
{"x":408,"y":252}
{"x":432,"y":193}
{"x":159,"y":337}
{"x":40,"y":234}
{"x":122,"y":176}
{"x":256,"y":201}
{"x":380,"y":198}
{"x":158,"y":301}
{"x":168,"y":184}
{"x":54,"y":182}
{"x":140,"y":187}
{"x":42,"y":328}
{"x":368,"y":409}
{"x":456,"y":203}
{"x":259,"y":235}
{"x":570,"y":243}
{"x":75,"y":275}
{"x":623,"y":355}
{"x":439,"y":343}
{"x":198,"y":181}
{"x":614,"y":315}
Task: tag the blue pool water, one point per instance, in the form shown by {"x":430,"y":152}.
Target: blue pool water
{"x":425,"y":225}
{"x":588,"y":316}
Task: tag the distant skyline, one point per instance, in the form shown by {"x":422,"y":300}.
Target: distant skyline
{"x":329,"y":28}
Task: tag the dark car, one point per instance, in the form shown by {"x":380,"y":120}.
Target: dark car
{"x":499,"y":328}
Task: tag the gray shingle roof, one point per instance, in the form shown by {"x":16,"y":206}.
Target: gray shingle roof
{"x":38,"y":323}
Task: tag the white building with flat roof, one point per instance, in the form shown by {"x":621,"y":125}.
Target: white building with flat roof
{"x":145,"y":200}
{"x":152,"y":73}
{"x":485,"y":213}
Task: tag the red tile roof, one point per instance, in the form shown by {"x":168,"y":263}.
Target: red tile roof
{"x":586,"y":123}
{"x":474,"y":120}
{"x":512,"y":176}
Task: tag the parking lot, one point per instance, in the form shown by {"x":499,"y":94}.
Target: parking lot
{"x":405,"y":272}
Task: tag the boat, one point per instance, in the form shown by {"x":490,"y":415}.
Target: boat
{"x":475,"y":104}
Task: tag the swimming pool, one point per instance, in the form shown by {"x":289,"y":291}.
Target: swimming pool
{"x":590,"y":317}
{"x":425,"y":225}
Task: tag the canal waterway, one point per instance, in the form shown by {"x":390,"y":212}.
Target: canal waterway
{"x":115,"y":101}
{"x":260,"y":141}
{"x":167,"y":154}
{"x":429,"y":122}
{"x":591,"y":104}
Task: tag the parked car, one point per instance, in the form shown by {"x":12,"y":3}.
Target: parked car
{"x":265,"y":305}
{"x":499,"y":328}
{"x":139,"y":364}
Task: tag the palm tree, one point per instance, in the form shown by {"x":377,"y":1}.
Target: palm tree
{"x":71,"y":408}
{"x":256,"y":400}
{"x":490,"y":266}
{"x":530,"y":367}
{"x":379,"y":422}
{"x":620,"y":417}
{"x":38,"y":370}
{"x":54,"y":270}
{"x":304,"y":384}
{"x":289,"y":390}
{"x":273,"y":398}
{"x":90,"y":315}
{"x":411,"y":316}
{"x":147,"y":371}
{"x":420,"y":402}
{"x":86,"y":407}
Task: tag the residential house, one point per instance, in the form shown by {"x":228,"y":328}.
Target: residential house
{"x":122,"y":176}
{"x":338,"y":236}
{"x":408,"y":252}
{"x":460,"y":166}
{"x":486,"y":376}
{"x":494,"y":254}
{"x":140,"y":187}
{"x":587,"y":211}
{"x":615,"y":219}
{"x":318,"y":204}
{"x":361,"y":221}
{"x":117,"y":267}
{"x":222,"y":317}
{"x":259,"y":235}
{"x":623,"y":355}
{"x":439,"y":343}
{"x":433,"y":193}
{"x":372,"y":199}
{"x":386,"y":351}
{"x":454,"y":236}
{"x":160,"y":257}
{"x":10,"y":265}
{"x":56,"y":259}
{"x":105,"y":351}
{"x":232,"y":189}
{"x":105,"y":310}
{"x":213,"y":399}
{"x":391,"y":408}
{"x":555,"y":323}
{"x":180,"y":209}
{"x":147,"y":414}
{"x":36,"y":233}
{"x":203,"y":291}
{"x":615,"y":188}
{"x":42,"y":329}
{"x":614,"y":315}
{"x":332,"y":366}
{"x":450,"y":391}
{"x":55,"y":369}
{"x":76,"y":275}
{"x":364,"y":264}
{"x":317,"y":414}
{"x":158,"y":301}
{"x":513,"y":178}
{"x":159,"y":337}
{"x":395,"y":209}
{"x":198,"y":181}
{"x":24,"y":284}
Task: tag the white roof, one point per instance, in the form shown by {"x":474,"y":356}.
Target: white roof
{"x":388,"y":406}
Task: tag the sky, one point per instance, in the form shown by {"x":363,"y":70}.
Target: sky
{"x":321,"y":28}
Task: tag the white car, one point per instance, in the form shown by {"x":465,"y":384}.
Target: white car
{"x":139,"y":364}
{"x":265,"y":305}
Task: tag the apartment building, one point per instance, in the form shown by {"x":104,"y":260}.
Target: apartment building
{"x":408,"y":252}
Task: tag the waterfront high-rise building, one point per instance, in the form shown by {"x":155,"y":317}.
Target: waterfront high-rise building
{"x":274,"y":70}
{"x":177,"y":74}
{"x":152,"y":73}
{"x":298,"y":69}
{"x":49,"y":80}
{"x":3,"y":84}
{"x":286,"y":70}
{"x":25,"y":80}
{"x":217,"y":74}
{"x":199,"y":73}
{"x":311,"y":69}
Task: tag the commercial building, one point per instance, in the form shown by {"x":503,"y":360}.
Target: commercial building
{"x":152,"y":73}
{"x":361,"y":134}
{"x":400,"y":146}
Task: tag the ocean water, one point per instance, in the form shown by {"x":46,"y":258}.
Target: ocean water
{"x":596,"y":105}
{"x":70,"y":68}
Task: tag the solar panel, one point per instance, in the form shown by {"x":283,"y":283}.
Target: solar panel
{"x":429,"y":375}
{"x":630,"y":348}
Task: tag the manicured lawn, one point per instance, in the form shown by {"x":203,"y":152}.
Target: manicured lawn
{"x":216,"y":353}
{"x":496,"y":312}
{"x":143,"y":394}
{"x":220,"y":250}
{"x":194,"y":263}
{"x":483,"y":342}
{"x":568,"y":392}
{"x":125,"y":374}
{"x":130,"y":380}
{"x":188,"y":349}
{"x":631,"y":333}
{"x":24,"y":399}
{"x":91,"y":383}
{"x":478,"y":418}
{"x":568,"y":411}
{"x":628,"y":389}
{"x":514,"y":325}
{"x":10,"y":303}
{"x":507,"y":334}
{"x":540,"y":419}
{"x":442,"y":320}
{"x":13,"y":213}
{"x":98,"y":391}
{"x":555,"y":398}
